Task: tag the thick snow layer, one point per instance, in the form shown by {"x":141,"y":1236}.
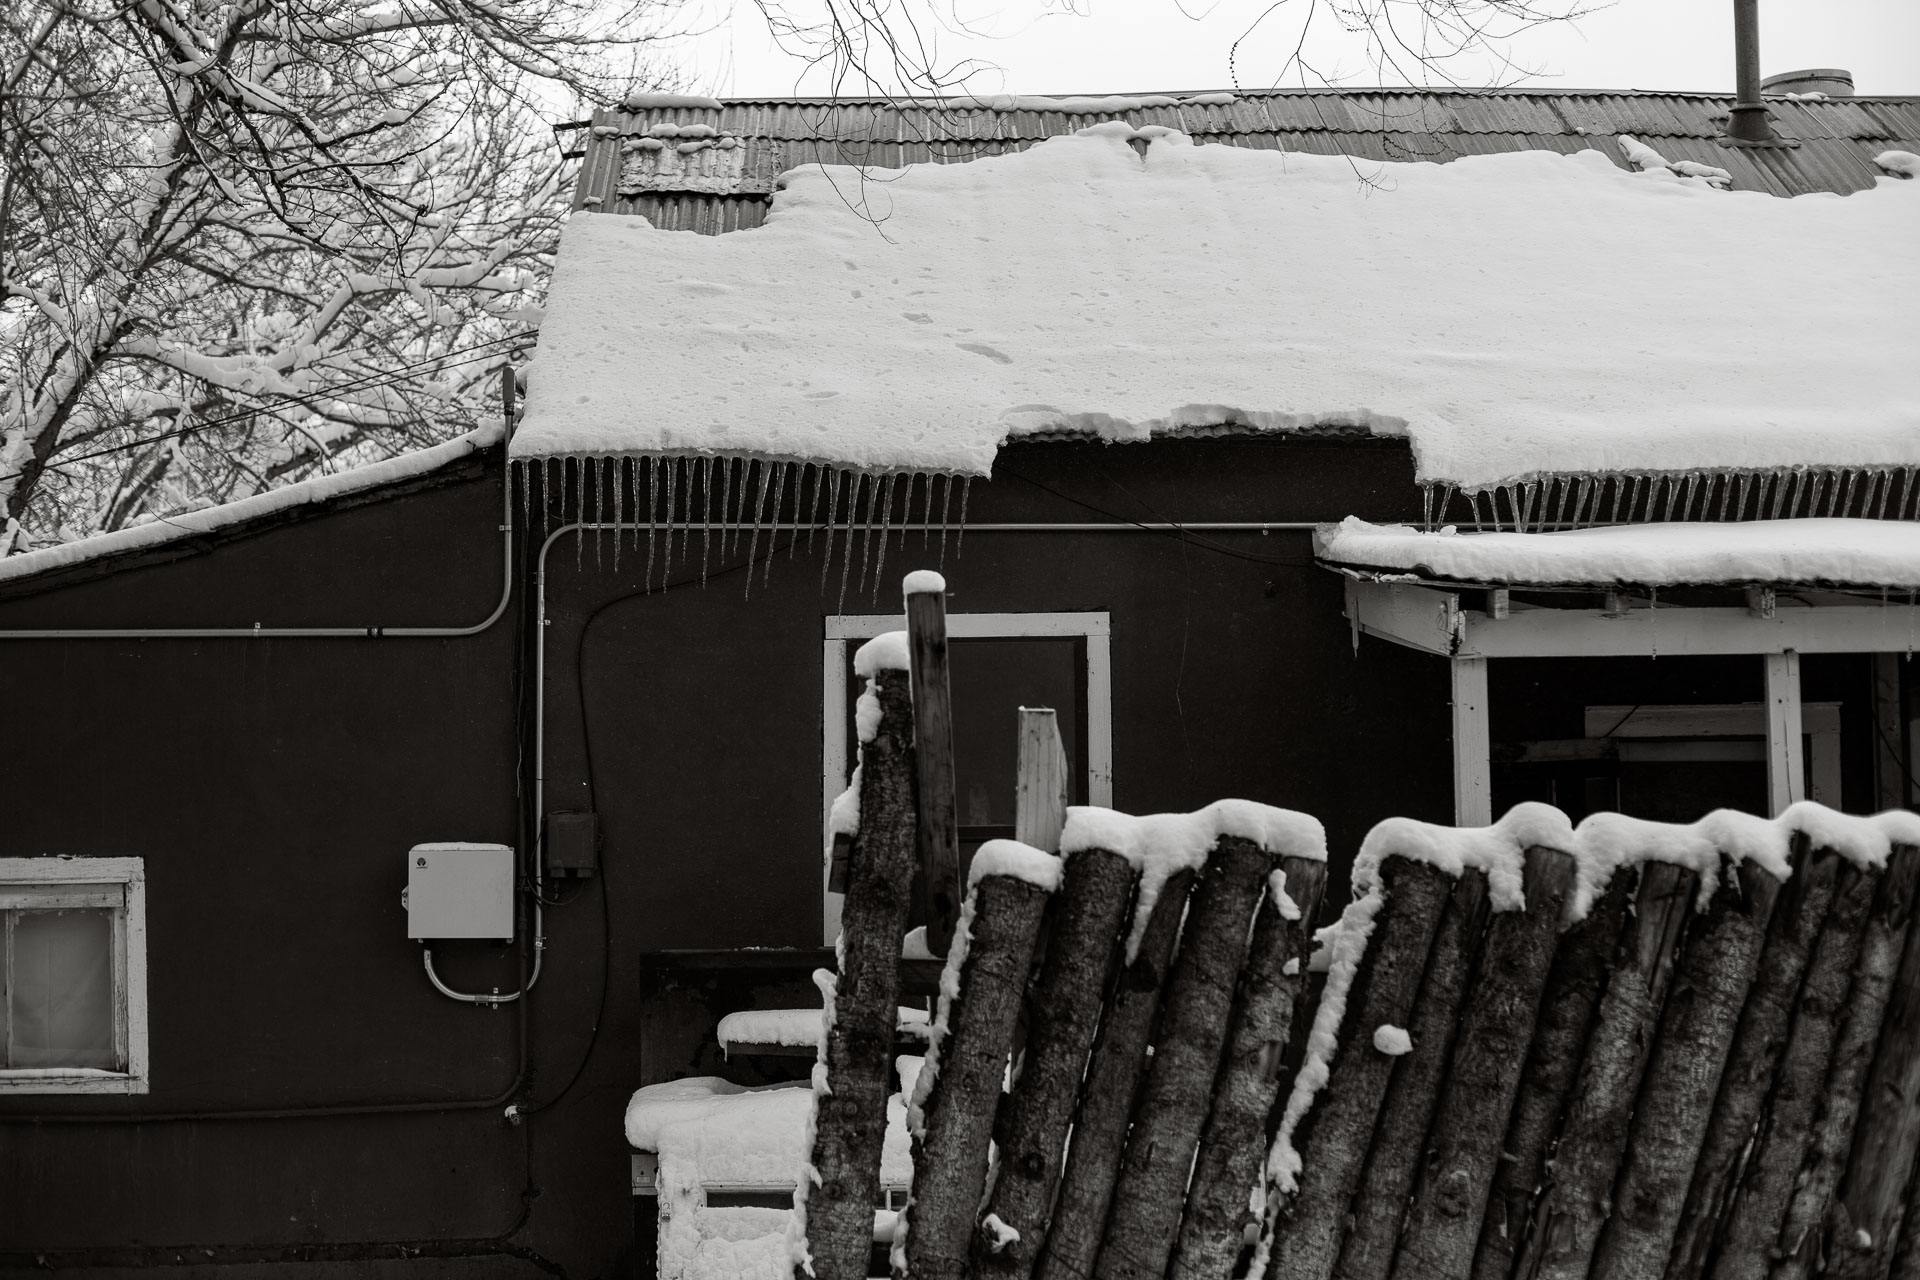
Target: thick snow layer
{"x":1515,"y":314}
{"x":795,"y":1027}
{"x":1866,"y":552}
{"x":638,"y":101}
{"x":1105,"y":104}
{"x":1903,"y":163}
{"x":1391,"y":1040}
{"x":1499,"y":850}
{"x":1865,"y":841}
{"x":885,"y":652}
{"x":923,"y":582}
{"x":1021,"y":861}
{"x":212,"y":519}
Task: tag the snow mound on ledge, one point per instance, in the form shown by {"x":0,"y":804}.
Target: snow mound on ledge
{"x":1515,"y":314}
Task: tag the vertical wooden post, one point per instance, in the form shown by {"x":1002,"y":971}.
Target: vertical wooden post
{"x":939,"y":834}
{"x":1786,"y":773}
{"x":1040,"y":794}
{"x":1889,"y":764}
{"x":1472,"y":745}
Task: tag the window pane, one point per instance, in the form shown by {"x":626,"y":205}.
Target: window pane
{"x":61,"y":989}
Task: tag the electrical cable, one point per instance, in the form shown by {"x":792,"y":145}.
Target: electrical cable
{"x":1177,"y":532}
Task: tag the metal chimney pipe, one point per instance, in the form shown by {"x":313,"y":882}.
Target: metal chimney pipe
{"x":1749,"y":122}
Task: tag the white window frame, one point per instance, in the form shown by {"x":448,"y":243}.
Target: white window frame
{"x":129,"y":971}
{"x":844,"y":630}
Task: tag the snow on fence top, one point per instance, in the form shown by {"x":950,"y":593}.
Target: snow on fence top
{"x":1514,"y":314}
{"x":1842,"y":551}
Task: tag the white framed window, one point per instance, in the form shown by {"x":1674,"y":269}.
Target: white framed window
{"x":73,"y":975}
{"x":1063,"y":660}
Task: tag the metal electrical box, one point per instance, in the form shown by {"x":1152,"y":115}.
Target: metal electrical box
{"x":573,"y":843}
{"x":459,"y":891}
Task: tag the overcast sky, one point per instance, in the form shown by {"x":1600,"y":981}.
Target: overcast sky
{"x":1116,"y":46}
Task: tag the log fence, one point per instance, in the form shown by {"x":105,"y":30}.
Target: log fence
{"x":1696,"y":1057}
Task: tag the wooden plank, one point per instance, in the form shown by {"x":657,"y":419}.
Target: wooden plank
{"x":976,"y":626}
{"x":1040,"y":792}
{"x":1472,"y":745}
{"x":938,"y":885}
{"x":1702,"y":720}
{"x":1889,"y":755}
{"x":1786,"y":770}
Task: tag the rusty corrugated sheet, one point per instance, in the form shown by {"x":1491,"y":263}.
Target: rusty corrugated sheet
{"x":1830,"y":144}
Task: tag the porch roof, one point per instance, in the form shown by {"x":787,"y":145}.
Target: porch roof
{"x":1804,"y":552}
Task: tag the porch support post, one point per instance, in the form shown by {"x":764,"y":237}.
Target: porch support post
{"x":1473,"y":746}
{"x":1786,"y":772}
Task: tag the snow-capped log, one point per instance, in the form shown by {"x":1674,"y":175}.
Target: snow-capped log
{"x":1399,"y":1137}
{"x":1463,"y":1144}
{"x":1574,"y":985}
{"x":1780,"y":1148}
{"x":1148,"y":1195}
{"x":1758,"y":1043}
{"x":955,"y":1099}
{"x":1574,"y":1205}
{"x":1227,"y":1167}
{"x":1082,"y":950}
{"x":850,"y":1117}
{"x":1803,"y":1242}
{"x":1717,"y":965}
{"x":1118,"y":1065}
{"x":1405,"y":913}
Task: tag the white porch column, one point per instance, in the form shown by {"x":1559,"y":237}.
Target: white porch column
{"x":1786,"y":772}
{"x":1473,"y":746}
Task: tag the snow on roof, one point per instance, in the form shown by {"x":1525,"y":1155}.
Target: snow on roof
{"x":1881,"y":553}
{"x":191,"y":524}
{"x":1514,"y":314}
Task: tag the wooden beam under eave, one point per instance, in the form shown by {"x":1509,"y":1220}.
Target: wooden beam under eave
{"x":1786,"y":767}
{"x":1472,"y":745}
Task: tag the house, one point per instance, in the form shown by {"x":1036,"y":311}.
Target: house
{"x":1284,"y":528}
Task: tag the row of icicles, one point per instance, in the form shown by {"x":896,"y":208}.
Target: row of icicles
{"x":1564,"y":502}
{"x":671,"y":513}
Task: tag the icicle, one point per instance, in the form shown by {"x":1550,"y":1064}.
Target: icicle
{"x":1812,"y":481}
{"x":548,"y":491}
{"x":730,"y":493}
{"x":1775,"y":484}
{"x":829,"y":494}
{"x":631,"y":474}
{"x":579,"y":507}
{"x":1885,"y":479}
{"x":799,"y":506}
{"x":1564,"y":493}
{"x":1906,"y":479}
{"x":1619,"y":486}
{"x":866,"y":534}
{"x":946,"y":504}
{"x":614,"y":467}
{"x":1587,"y":503}
{"x":1426,"y":507}
{"x":960,"y":534}
{"x":672,"y":518}
{"x":926,"y":514}
{"x":857,"y":484}
{"x":703,"y":473}
{"x":886,"y":520}
{"x":653,"y":516}
{"x":1846,"y":503}
{"x":526,"y":497}
{"x":1686,"y":496}
{"x":1446,"y":500}
{"x":753,"y":509}
{"x":773,"y":527}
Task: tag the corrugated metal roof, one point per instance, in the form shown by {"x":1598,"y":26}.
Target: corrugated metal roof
{"x":1831,"y":143}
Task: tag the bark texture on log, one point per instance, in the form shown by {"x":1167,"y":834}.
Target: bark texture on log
{"x":1906,"y":1257}
{"x":1464,"y":1144}
{"x":1106,"y":1101}
{"x":950,"y":1164}
{"x":1576,"y":1202}
{"x":1151,"y":1190}
{"x":850,"y":1121}
{"x":1399,"y":1143}
{"x":1864,"y":1226}
{"x":1089,"y":920}
{"x":1758,"y":1044}
{"x":1307,"y":1233}
{"x":1235,"y":1141}
{"x":1759,"y":1203}
{"x":1802,"y":1247}
{"x":1670,"y":1118}
{"x":1574,"y":986}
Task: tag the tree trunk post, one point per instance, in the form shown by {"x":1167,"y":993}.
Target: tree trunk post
{"x":1449,"y":1205}
{"x":1227,"y":1169}
{"x":1759,"y":1200}
{"x":850,"y":1114}
{"x":1150,"y":1192}
{"x":1670,"y":1119}
{"x":1803,"y":1240}
{"x":1866,"y":1217}
{"x":1758,"y":1044}
{"x":1399,"y":1143}
{"x":1576,"y":1203}
{"x":959,"y":1092}
{"x":1118,"y":1065}
{"x":1567,"y":1008}
{"x":1032,"y":1127}
{"x":937,"y":833}
{"x":1307,"y":1233}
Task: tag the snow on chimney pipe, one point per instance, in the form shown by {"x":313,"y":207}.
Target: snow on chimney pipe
{"x":1833,"y":82}
{"x":1748,"y":123}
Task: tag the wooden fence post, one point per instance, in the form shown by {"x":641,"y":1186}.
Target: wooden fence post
{"x":850,"y":1118}
{"x":1757,"y":1047}
{"x":1696,"y":1029}
{"x":1575,"y":1204}
{"x":959,"y":1091}
{"x":1040,"y":794}
{"x":1231,"y":1149}
{"x":1399,"y":1144}
{"x":1449,"y":1205}
{"x":1759,"y":1201}
{"x":939,"y":834}
{"x":1802,"y":1238}
{"x":1065,"y":1010}
{"x":1172,"y":1108}
{"x":1574,"y":986}
{"x":1114,"y":1074}
{"x":1307,"y":1233}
